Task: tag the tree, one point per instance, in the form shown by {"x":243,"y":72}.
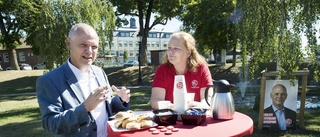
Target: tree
{"x":16,"y":16}
{"x":267,"y":30}
{"x":270,"y":30}
{"x":125,"y":56}
{"x":163,"y":10}
{"x":211,"y":24}
{"x":47,"y":35}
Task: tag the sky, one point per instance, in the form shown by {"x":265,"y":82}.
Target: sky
{"x":171,"y":26}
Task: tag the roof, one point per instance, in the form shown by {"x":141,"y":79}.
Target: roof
{"x":22,"y":46}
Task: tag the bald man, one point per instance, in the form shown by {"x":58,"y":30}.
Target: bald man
{"x":75,"y":99}
{"x":278,"y":117}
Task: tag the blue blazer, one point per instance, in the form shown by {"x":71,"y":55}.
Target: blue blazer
{"x":61,"y":103}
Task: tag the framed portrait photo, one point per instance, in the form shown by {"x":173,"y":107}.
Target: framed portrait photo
{"x":280,"y":105}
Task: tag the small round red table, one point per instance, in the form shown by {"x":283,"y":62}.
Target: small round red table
{"x":240,"y":125}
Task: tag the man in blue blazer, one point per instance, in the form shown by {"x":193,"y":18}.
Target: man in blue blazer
{"x":276,"y":116}
{"x":76,"y":99}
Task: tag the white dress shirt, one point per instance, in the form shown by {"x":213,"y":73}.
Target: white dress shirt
{"x":88,"y":83}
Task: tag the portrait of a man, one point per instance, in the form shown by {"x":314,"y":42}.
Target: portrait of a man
{"x":279,"y":110}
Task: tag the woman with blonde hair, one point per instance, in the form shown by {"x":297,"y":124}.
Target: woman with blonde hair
{"x":182,"y":58}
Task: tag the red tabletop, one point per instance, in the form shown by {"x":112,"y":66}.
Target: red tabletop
{"x":240,"y":125}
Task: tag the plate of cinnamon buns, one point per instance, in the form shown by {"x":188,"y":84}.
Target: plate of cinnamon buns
{"x":129,"y":120}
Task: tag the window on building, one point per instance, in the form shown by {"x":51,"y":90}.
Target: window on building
{"x":120,"y":44}
{"x":166,"y":36}
{"x":131,"y":53}
{"x":30,"y":54}
{"x":152,"y":35}
{"x":124,"y":34}
{"x":112,"y":44}
{"x":130,"y":44}
{"x":125,"y":44}
{"x":112,"y":52}
{"x":5,"y":57}
{"x":22,"y":57}
{"x":121,"y":52}
{"x":165,"y":45}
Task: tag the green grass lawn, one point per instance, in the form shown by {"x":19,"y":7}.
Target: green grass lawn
{"x":20,"y":115}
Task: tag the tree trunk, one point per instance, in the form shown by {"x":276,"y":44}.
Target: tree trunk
{"x":144,"y":50}
{"x":13,"y":59}
{"x":234,"y":58}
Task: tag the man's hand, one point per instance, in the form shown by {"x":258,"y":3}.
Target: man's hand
{"x":96,"y":97}
{"x":123,"y":93}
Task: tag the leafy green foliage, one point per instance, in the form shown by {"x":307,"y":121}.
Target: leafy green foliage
{"x":125,"y":55}
{"x":267,"y":31}
{"x":47,"y":35}
{"x":15,"y":18}
{"x":270,"y":31}
{"x":209,"y":20}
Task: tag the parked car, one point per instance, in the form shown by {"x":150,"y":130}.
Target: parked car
{"x":22,"y":66}
{"x":39,"y":66}
{"x":131,"y":63}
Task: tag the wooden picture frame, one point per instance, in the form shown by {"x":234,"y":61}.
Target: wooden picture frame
{"x":304,"y":73}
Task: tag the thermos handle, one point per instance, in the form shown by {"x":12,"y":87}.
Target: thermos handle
{"x":206,"y":93}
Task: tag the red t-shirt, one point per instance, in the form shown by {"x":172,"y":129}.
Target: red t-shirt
{"x":164,"y":78}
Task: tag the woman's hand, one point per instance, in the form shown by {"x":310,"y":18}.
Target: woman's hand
{"x":197,"y":104}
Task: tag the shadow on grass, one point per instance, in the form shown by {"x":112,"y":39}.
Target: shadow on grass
{"x":30,"y":112}
{"x":30,"y":128}
{"x":128,"y":76}
{"x":19,"y":85}
{"x":17,"y":98}
{"x":140,"y":98}
{"x":224,"y":72}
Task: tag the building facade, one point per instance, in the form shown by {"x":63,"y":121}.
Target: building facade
{"x":125,"y":39}
{"x":24,"y":55}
